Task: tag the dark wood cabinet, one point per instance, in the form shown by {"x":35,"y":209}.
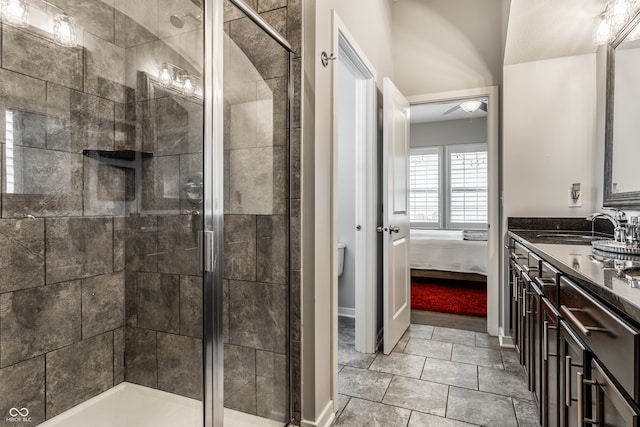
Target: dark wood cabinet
{"x":582,"y":359}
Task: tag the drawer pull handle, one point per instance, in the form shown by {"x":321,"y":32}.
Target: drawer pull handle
{"x":585,"y":330}
{"x":567,"y":381}
{"x":545,"y":340}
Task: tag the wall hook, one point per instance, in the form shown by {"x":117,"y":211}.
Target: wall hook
{"x":326,"y":58}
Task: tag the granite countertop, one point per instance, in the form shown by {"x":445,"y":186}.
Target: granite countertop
{"x":594,"y":272}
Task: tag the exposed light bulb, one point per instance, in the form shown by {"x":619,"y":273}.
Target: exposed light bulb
{"x":15,"y":12}
{"x":165,"y":76}
{"x":188,"y":88}
{"x":64,"y":30}
{"x":602,"y":30}
{"x":470,"y":106}
{"x":618,"y":13}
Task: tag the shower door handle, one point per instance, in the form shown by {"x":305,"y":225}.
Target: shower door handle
{"x":205,"y":246}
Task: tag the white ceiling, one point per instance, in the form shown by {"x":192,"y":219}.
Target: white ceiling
{"x":434,"y":112}
{"x":544,"y":29}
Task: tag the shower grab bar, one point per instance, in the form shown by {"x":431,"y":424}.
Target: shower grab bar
{"x":259,"y":20}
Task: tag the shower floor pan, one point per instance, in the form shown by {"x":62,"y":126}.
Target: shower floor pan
{"x":132,"y":405}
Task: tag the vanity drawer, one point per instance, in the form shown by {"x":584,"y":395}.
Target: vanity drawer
{"x":548,"y":280}
{"x":612,"y":340}
{"x":525,"y":259}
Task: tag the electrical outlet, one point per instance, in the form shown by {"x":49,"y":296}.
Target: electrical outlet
{"x":574,"y":203}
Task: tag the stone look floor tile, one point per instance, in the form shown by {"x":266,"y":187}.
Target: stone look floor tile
{"x":420,"y":331}
{"x":347,"y":355}
{"x":506,"y":383}
{"x":360,"y":413}
{"x":526,"y":413}
{"x":422,"y":347}
{"x":363,"y":383}
{"x":451,"y":373}
{"x":478,"y":356}
{"x":423,"y":396}
{"x":418,"y":419}
{"x":399,"y":364}
{"x":455,"y":336}
{"x":448,"y":385}
{"x":486,"y":341}
{"x":481,"y":408}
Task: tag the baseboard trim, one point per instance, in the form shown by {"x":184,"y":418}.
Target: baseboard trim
{"x":347,"y":312}
{"x":506,"y":341}
{"x":326,"y":418}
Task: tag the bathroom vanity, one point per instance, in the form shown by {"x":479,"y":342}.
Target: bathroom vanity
{"x":575,"y":319}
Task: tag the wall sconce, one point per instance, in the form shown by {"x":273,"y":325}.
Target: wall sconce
{"x":173,"y":77}
{"x":575,"y":191}
{"x":16,"y":13}
{"x":612,"y":19}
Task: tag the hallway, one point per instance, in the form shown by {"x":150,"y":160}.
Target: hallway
{"x":435,"y":376}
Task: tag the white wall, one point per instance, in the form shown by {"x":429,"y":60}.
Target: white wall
{"x":369,"y":22}
{"x":444,"y":45}
{"x":449,"y":132}
{"x":550,"y":136}
{"x":347,"y":185}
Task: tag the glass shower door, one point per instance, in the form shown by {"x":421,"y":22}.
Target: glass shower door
{"x":101,"y":146}
{"x":256,"y":217}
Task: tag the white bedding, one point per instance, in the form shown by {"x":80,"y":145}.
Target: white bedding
{"x":445,"y":250}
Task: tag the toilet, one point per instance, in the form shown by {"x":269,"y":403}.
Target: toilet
{"x":341,"y":248}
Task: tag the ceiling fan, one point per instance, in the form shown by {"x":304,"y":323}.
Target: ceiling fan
{"x":469,"y":106}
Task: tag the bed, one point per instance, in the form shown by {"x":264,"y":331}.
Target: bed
{"x":444,"y":254}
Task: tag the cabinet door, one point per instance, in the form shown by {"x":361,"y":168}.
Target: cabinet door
{"x":575,"y":363}
{"x":514,"y":290}
{"x":550,"y":366}
{"x":610,"y":406}
{"x":534,"y":320}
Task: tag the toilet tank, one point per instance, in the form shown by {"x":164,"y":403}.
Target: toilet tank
{"x":341,"y":249}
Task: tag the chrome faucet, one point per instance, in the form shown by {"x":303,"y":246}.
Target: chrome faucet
{"x":619,"y":223}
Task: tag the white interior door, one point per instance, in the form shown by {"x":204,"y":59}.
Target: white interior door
{"x":397,"y":286}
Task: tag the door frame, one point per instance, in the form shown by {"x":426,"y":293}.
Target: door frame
{"x":343,"y":43}
{"x":494,"y":194}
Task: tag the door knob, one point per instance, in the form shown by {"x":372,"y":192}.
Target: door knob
{"x":394,"y":229}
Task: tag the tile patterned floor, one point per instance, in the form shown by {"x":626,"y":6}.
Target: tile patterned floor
{"x":435,"y":376}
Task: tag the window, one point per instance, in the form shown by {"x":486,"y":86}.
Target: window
{"x":424,"y":186}
{"x":452,"y":193}
{"x":467,"y":185}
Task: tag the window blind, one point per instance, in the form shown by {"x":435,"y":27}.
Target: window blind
{"x":424,"y":185}
{"x":468,"y":187}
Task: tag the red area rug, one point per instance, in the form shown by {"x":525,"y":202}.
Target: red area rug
{"x":450,"y":296}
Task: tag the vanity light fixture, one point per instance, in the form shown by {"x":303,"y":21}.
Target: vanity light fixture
{"x":174,"y":77}
{"x":612,"y":19}
{"x":470,"y":106}
{"x":15,"y":12}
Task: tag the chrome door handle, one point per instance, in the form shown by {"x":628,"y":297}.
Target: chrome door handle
{"x":394,"y":229}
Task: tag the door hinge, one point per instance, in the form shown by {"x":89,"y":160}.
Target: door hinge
{"x":205,"y":246}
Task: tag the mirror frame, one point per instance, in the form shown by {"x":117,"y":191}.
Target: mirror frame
{"x":610,"y":199}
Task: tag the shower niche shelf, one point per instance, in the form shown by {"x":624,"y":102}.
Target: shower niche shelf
{"x":121,"y":158}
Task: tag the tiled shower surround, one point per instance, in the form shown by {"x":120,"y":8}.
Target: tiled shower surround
{"x":99,"y":278}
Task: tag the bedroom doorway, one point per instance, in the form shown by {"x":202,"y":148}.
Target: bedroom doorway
{"x":454,"y":201}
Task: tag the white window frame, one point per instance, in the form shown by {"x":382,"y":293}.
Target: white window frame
{"x":439,"y":150}
{"x":459,"y":148}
